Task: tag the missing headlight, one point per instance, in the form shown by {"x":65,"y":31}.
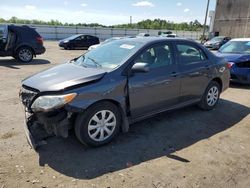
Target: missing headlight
{"x":245,"y":64}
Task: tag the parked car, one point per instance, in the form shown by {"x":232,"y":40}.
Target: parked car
{"x":216,"y":42}
{"x":106,"y":41}
{"x":172,"y":35}
{"x":237,"y":53}
{"x":78,"y":41}
{"x":143,"y":35}
{"x":119,"y":83}
{"x":20,"y":42}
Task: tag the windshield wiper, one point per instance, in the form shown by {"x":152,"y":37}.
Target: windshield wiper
{"x":95,"y":62}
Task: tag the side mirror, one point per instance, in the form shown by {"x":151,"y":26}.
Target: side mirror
{"x":140,"y":67}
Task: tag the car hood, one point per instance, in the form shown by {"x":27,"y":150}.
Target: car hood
{"x":236,"y":58}
{"x":63,"y":76}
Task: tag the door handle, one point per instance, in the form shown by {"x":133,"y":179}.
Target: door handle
{"x":207,"y":67}
{"x":195,"y":74}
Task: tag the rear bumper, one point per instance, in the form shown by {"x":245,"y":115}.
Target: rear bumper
{"x":39,"y":51}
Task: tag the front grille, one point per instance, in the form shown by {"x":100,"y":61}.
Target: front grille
{"x":27,"y":96}
{"x":245,"y":64}
{"x":233,"y":77}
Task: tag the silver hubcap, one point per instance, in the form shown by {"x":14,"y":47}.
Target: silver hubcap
{"x":102,"y":125}
{"x":25,"y":54}
{"x":212,"y":96}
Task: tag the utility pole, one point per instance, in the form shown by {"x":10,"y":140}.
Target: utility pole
{"x":205,"y":22}
{"x":247,"y":20}
{"x":130,"y":20}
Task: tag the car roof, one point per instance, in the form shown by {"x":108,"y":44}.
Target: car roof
{"x":76,"y":35}
{"x":12,"y":26}
{"x":241,"y":39}
{"x":23,"y":30}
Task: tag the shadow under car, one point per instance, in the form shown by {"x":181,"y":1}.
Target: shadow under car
{"x":149,"y":139}
{"x":13,"y":63}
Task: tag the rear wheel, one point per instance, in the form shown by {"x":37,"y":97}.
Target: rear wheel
{"x":98,"y":125}
{"x":24,"y":54}
{"x":211,"y":96}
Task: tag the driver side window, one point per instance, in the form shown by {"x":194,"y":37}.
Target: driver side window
{"x":81,"y":37}
{"x":157,"y":56}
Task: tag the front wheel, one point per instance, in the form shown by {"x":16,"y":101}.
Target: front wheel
{"x":70,"y":47}
{"x":211,"y":96}
{"x":98,"y":125}
{"x":24,"y":54}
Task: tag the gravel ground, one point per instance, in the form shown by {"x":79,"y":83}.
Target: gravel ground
{"x":184,"y":148}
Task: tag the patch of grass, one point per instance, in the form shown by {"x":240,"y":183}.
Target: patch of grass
{"x":8,"y":135}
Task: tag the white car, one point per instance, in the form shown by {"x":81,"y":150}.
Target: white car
{"x":143,"y":35}
{"x":172,"y":35}
{"x":106,"y":41}
{"x":94,"y":46}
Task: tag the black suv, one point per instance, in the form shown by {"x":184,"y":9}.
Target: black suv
{"x":20,"y":42}
{"x":121,"y":82}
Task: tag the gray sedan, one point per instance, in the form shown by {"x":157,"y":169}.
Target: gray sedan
{"x":102,"y":92}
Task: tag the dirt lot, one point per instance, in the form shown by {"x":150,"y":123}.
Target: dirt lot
{"x":185,"y":148}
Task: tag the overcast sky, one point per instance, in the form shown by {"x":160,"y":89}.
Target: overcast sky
{"x":106,"y":12}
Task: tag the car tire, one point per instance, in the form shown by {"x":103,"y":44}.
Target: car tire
{"x":98,"y":125}
{"x":211,"y":96}
{"x":70,"y":47}
{"x":24,"y":54}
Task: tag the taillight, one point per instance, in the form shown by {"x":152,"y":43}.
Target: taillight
{"x":230,"y":64}
{"x":39,"y":40}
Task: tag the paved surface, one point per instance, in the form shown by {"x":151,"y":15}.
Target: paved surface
{"x":184,"y":148}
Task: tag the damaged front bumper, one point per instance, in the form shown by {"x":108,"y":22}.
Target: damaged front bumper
{"x":40,"y":126}
{"x":240,"y":76}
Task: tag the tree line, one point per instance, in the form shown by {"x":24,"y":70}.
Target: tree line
{"x":145,"y":24}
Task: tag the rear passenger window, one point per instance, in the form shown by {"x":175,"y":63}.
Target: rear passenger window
{"x":189,"y":54}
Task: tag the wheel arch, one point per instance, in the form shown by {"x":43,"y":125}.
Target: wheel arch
{"x":219,"y":81}
{"x":24,"y":45}
{"x":122,"y":110}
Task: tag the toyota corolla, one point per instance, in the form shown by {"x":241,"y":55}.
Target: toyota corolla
{"x":102,"y":92}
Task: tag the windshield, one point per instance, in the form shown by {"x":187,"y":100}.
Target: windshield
{"x":109,"y":55}
{"x":216,"y":39}
{"x":238,"y":47}
{"x":72,"y":37}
